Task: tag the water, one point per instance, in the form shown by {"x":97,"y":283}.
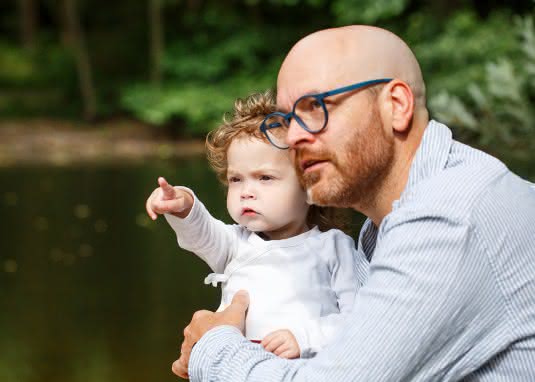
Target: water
{"x":91,"y":289}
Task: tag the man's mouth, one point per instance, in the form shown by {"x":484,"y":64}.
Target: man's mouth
{"x":308,"y":165}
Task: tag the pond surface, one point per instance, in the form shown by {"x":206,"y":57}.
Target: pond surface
{"x":90,"y":288}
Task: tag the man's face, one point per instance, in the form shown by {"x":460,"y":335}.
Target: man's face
{"x":344,"y":164}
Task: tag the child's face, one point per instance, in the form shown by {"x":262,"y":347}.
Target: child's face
{"x":264,"y":194}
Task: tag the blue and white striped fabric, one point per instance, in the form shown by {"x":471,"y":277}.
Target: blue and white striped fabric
{"x":451,"y":290}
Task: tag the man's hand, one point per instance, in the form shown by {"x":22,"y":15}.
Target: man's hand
{"x":203,"y":321}
{"x":170,"y":200}
{"x":282,"y":343}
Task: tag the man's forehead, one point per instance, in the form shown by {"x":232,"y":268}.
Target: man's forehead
{"x":290,"y":89}
{"x":314,"y":73}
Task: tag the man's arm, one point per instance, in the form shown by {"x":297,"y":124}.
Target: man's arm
{"x":419,"y":316}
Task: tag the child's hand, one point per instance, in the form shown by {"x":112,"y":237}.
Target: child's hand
{"x":282,"y":343}
{"x":168,"y":200}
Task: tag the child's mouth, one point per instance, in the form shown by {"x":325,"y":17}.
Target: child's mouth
{"x":248,"y":212}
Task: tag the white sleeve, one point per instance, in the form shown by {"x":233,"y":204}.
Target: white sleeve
{"x":349,"y":270}
{"x":212,"y":240}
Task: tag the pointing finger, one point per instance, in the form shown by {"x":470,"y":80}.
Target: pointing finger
{"x":168,"y":190}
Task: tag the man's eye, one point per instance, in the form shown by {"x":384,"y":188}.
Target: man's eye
{"x":315,"y":104}
{"x":312,"y":105}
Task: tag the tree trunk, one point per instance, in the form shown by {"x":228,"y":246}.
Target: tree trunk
{"x":75,"y":39}
{"x":156,"y":41}
{"x":28,"y":23}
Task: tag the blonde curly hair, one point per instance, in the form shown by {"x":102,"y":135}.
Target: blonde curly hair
{"x":245,"y":120}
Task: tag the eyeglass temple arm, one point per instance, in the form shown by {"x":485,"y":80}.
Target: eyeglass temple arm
{"x":355,"y":86}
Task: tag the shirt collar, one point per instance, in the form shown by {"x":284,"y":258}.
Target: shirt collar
{"x":367,"y":239}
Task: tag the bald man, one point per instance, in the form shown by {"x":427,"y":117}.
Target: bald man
{"x":450,"y":234}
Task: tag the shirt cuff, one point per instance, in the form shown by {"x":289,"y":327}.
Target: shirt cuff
{"x":302,"y":337}
{"x":210,"y":349}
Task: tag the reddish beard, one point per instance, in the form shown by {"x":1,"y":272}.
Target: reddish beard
{"x":355,"y":172}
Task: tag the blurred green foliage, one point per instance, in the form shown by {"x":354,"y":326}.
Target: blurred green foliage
{"x":204,"y":75}
{"x":498,"y":112}
{"x":474,"y":56}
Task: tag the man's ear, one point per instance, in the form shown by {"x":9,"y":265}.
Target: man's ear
{"x":400,"y":98}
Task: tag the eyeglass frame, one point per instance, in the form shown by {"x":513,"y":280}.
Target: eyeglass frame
{"x":318,"y":97}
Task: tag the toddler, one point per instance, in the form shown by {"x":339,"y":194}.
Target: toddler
{"x":301,"y":276}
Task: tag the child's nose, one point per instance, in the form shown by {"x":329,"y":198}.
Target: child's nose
{"x":247,"y":193}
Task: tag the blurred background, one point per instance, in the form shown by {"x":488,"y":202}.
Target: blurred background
{"x":99,"y":98}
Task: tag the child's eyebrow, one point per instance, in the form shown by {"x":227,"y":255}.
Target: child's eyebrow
{"x":256,"y":171}
{"x":264,"y":169}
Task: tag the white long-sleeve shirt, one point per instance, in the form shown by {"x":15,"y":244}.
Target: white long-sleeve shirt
{"x":306,"y":283}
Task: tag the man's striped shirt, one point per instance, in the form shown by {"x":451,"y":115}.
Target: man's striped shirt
{"x":450,"y":295}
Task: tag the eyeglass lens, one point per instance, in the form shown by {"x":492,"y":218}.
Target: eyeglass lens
{"x":308,"y":111}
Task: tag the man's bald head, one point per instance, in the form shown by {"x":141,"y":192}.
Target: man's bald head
{"x":362,"y":158}
{"x":341,"y":56}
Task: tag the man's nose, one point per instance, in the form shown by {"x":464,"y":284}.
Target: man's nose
{"x":297,"y":136}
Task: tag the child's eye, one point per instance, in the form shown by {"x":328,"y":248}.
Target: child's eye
{"x":266,"y":177}
{"x":233,"y":179}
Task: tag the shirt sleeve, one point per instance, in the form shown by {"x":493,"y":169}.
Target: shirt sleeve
{"x":412,"y":320}
{"x":349,"y":270}
{"x":212,"y":240}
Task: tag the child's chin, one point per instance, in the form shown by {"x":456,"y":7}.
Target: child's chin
{"x":257,"y":228}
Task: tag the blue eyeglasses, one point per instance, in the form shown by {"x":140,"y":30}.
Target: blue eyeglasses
{"x":309,"y":111}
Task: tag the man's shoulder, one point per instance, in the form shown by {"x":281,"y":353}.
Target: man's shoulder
{"x":469,"y":178}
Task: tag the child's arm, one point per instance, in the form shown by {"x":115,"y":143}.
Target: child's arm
{"x":349,"y":270}
{"x":197,"y":231}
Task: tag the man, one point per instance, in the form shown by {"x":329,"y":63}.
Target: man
{"x":450,"y":234}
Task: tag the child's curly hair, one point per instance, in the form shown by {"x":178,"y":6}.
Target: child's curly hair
{"x":245,"y":120}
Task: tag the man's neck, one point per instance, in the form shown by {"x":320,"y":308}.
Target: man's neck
{"x":394,"y":182}
{"x":391,"y":190}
